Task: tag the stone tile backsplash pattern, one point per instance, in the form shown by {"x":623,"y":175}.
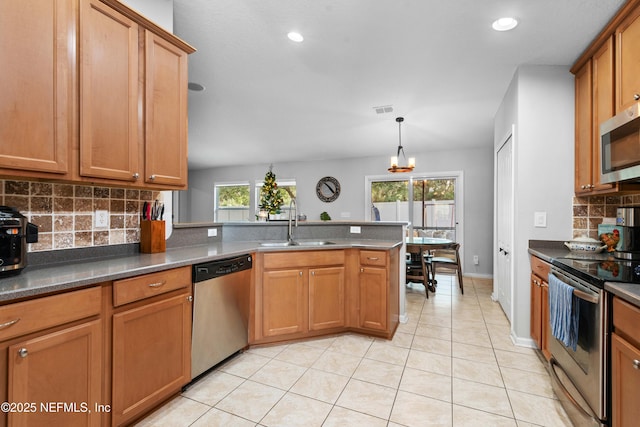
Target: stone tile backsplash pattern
{"x":588,"y":212}
{"x":64,"y":213}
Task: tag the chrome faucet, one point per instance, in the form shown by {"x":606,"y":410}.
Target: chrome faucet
{"x":295,"y":210}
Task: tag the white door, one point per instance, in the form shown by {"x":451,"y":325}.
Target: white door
{"x":504,"y":222}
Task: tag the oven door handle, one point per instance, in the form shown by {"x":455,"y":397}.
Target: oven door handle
{"x":573,"y":401}
{"x":593,"y":299}
{"x":579,"y":290}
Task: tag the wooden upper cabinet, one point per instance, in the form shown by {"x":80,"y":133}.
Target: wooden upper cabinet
{"x":583,"y":128}
{"x":108,"y":93}
{"x":628,"y":61}
{"x":37,"y":92}
{"x":166,"y":82}
{"x":603,"y":106}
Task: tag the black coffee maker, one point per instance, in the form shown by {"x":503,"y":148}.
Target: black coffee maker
{"x":15,"y":233}
{"x":628,"y":218}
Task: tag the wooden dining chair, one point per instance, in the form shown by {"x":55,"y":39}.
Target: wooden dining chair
{"x":417,"y":270}
{"x":448,"y":256}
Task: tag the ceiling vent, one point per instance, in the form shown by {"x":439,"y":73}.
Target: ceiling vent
{"x":383,"y":109}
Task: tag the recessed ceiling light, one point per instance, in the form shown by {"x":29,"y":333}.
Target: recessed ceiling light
{"x":504,"y":24}
{"x":295,"y":37}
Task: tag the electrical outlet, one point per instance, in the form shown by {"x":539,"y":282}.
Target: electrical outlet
{"x":354,"y":229}
{"x":540,"y":219}
{"x":101,"y":219}
{"x":212,"y":232}
{"x":476,"y":260}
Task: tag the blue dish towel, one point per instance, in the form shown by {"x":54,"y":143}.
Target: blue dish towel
{"x":564,"y":312}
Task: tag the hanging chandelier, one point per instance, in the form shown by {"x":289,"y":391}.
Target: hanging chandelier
{"x":394,"y":159}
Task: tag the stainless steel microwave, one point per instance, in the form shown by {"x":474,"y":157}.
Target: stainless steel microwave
{"x":620,"y":146}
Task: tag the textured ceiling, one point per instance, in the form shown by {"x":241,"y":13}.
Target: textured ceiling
{"x":437,"y":62}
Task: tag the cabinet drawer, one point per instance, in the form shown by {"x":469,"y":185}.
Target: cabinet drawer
{"x":378,"y":258}
{"x":29,"y":316}
{"x":626,"y":318}
{"x":148,"y":285}
{"x":540,"y":268}
{"x":303,"y":259}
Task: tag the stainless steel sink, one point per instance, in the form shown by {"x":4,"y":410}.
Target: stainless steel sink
{"x":314,"y":243}
{"x":296,"y":243}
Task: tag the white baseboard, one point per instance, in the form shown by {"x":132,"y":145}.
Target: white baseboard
{"x":523,"y":341}
{"x":479,"y":275}
{"x":404,"y":318}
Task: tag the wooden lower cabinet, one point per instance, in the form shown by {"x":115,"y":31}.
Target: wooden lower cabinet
{"x":625,"y":382}
{"x":59,"y":376}
{"x":539,"y":320}
{"x":625,"y":364}
{"x":283,"y":302}
{"x":373,"y":298}
{"x":326,"y":298}
{"x":51,"y":360}
{"x":151,"y":353}
{"x":302,"y":300}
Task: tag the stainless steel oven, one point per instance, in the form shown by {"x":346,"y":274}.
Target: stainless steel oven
{"x":579,"y":376}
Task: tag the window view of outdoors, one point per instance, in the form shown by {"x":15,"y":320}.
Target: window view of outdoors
{"x":433,"y":205}
{"x":232,"y":203}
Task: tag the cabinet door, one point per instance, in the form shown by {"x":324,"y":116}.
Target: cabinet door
{"x":583,"y":129}
{"x":108,"y":94}
{"x":283,"y":302}
{"x":63,"y":366}
{"x":326,"y":298}
{"x":37,"y":81}
{"x":373,"y":298}
{"x":628,"y":61}
{"x":165,"y":112}
{"x":625,"y":382}
{"x":545,"y":328}
{"x":603,"y":106}
{"x":536,"y":310}
{"x":151,"y":355}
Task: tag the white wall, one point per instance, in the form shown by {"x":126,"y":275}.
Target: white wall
{"x":477,"y":165}
{"x":158,"y":11}
{"x":540,"y":102}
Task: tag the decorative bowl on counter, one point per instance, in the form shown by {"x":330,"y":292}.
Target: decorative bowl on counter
{"x":585,"y":245}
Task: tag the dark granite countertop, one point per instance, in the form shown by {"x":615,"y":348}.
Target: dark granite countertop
{"x":41,"y":280}
{"x":548,"y":250}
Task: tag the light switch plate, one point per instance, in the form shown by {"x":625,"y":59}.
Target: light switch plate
{"x":540,"y":219}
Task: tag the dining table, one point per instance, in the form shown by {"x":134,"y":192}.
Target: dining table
{"x":427,"y":244}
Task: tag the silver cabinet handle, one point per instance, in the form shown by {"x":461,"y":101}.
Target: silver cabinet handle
{"x":313,"y":273}
{"x":157,"y":284}
{"x":636,"y":364}
{"x":636,"y":96}
{"x":23,"y":352}
{"x":361,"y":270}
{"x":9,"y":323}
{"x":373,"y":258}
{"x":136,"y":175}
{"x":190,"y":298}
{"x":300,"y":273}
{"x":152,"y":177}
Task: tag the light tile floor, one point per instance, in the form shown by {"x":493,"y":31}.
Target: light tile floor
{"x":451,"y":364}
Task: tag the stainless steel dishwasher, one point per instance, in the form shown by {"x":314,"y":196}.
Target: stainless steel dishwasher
{"x":220,"y":311}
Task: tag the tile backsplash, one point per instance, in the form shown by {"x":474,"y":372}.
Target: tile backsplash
{"x":64,"y":213}
{"x":589,"y":212}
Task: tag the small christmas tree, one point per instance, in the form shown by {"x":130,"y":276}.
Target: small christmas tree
{"x":270,"y":198}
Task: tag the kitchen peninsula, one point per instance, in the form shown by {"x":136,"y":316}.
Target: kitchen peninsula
{"x":113,"y":323}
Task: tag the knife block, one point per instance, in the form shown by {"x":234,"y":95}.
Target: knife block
{"x":152,"y":237}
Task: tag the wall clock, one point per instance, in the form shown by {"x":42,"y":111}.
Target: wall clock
{"x":328,"y":189}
